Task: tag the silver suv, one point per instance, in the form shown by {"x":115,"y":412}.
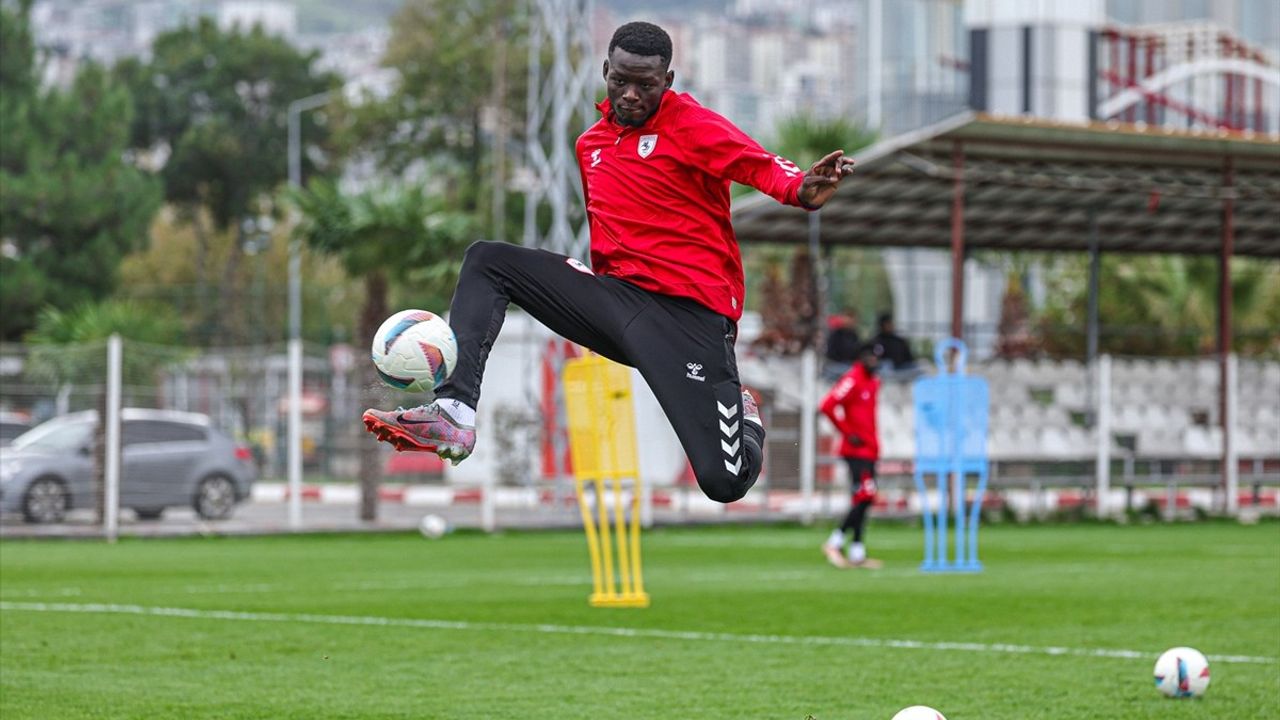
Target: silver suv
{"x":168,"y":459}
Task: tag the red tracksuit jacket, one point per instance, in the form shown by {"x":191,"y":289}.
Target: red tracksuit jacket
{"x":658,"y":199}
{"x":855,"y":395}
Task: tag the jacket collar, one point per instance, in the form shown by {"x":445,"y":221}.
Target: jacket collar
{"x":606,"y":110}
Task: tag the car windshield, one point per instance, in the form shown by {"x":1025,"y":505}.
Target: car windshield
{"x":55,"y":436}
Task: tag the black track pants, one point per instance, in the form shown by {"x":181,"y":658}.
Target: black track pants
{"x":683,"y":350}
{"x":856,"y":520}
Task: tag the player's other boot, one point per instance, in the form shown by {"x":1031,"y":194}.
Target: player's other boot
{"x":426,"y":428}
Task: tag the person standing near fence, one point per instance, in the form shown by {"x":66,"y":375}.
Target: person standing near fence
{"x":850,"y":405}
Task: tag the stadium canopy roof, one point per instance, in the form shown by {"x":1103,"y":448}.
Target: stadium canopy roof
{"x":1033,"y":184}
{"x":980,"y":181}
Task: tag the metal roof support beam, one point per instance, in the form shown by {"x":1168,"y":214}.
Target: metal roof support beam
{"x":957,"y":241}
{"x":1224,"y":336}
{"x":1095,"y":270}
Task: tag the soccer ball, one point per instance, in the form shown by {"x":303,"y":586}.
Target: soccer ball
{"x":1182,"y":672}
{"x":433,"y":526}
{"x":414,"y":351}
{"x":918,"y":712}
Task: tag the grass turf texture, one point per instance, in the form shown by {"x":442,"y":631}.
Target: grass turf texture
{"x":1211,"y":586}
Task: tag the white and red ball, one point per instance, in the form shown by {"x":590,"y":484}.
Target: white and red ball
{"x":414,"y":351}
{"x":1182,"y":672}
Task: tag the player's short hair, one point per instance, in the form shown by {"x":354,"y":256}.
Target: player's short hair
{"x":643,"y":39}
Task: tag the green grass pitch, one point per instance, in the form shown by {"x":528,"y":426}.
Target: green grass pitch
{"x":746,"y":622}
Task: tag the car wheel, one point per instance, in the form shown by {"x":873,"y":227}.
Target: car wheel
{"x":215,"y":497}
{"x":148,"y":513}
{"x":45,"y":501}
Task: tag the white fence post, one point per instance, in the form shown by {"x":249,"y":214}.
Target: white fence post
{"x":488,"y":504}
{"x":808,"y":431}
{"x":1230,"y":459}
{"x":111,"y":424}
{"x":1104,"y":435}
{"x":295,"y":434}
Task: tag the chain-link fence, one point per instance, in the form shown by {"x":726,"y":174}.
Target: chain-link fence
{"x":203,"y":442}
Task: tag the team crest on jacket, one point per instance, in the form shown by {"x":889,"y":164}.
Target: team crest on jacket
{"x":647,"y":144}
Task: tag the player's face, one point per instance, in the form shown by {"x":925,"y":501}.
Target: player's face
{"x":635,"y":85}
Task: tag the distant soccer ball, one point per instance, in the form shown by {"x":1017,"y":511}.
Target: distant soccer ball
{"x":918,"y":712}
{"x":1182,"y":672}
{"x":433,"y":526}
{"x":414,"y":351}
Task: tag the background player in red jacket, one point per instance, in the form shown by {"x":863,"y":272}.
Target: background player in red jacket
{"x":665,"y":290}
{"x":851,"y":407}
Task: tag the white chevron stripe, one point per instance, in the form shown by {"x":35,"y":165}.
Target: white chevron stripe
{"x":735,"y":467}
{"x":727,"y":411}
{"x":730,"y":450}
{"x":729,"y":430}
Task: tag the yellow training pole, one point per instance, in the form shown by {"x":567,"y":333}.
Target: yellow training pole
{"x":602,"y":505}
{"x":593,"y":540}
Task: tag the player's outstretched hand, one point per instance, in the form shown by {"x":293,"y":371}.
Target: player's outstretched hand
{"x":822,"y":179}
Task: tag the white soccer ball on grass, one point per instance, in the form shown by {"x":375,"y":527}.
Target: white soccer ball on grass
{"x":414,"y":351}
{"x":1182,"y":672}
{"x":433,"y":526}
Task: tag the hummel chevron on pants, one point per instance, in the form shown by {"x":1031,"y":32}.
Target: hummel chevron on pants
{"x":683,"y":350}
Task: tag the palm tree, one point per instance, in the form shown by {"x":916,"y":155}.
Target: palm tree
{"x":1163,"y":305}
{"x":805,"y":139}
{"x":393,"y":233}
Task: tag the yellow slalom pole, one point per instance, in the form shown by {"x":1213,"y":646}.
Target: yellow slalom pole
{"x":606,"y":542}
{"x":620,"y":522}
{"x":593,"y":540}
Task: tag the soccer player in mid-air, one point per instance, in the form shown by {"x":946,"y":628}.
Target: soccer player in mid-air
{"x":665,"y":290}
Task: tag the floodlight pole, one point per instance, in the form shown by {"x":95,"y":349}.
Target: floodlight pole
{"x":296,"y":108}
{"x":563,"y":76}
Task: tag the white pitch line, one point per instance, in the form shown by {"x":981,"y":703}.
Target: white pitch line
{"x":567,"y":579}
{"x":838,"y":641}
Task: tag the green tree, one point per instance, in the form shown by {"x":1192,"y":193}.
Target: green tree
{"x":390,"y":234}
{"x":804,"y":138}
{"x":212,"y":112}
{"x":71,"y":205}
{"x":1161,"y":305}
{"x":166,"y":272}
{"x":69,"y":346}
{"x":789,"y":308}
{"x":459,"y":110}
